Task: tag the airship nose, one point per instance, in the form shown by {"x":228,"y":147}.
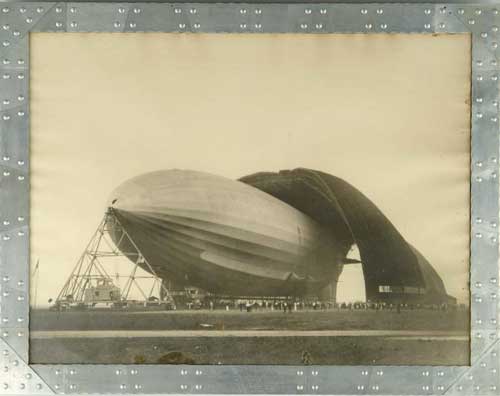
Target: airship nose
{"x":130,"y":196}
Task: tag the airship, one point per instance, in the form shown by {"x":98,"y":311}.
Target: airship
{"x":267,"y":234}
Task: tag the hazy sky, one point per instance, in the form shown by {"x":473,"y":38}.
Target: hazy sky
{"x":388,"y":113}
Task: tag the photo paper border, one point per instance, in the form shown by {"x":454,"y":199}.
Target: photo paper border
{"x":18,"y":19}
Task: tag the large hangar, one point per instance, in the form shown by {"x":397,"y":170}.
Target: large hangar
{"x":268,"y":234}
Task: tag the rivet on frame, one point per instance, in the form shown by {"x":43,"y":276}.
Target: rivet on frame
{"x":20,"y":113}
{"x":493,"y":62}
{"x":494,"y":29}
{"x":73,"y":24}
{"x":479,"y":115}
{"x":375,"y":387}
{"x":39,"y":10}
{"x":5,"y":278}
{"x":117,"y":24}
{"x":6,"y":158}
{"x":360,"y":387}
{"x":494,"y":119}
{"x":5,"y":10}
{"x":20,"y":98}
{"x":198,"y":387}
{"x":6,"y":117}
{"x":300,"y":387}
{"x":383,"y":26}
{"x":58,"y":24}
{"x":6,"y":43}
{"x":22,"y":10}
{"x":243,"y":25}
{"x":307,"y":11}
{"x":440,"y":387}
{"x":6,"y":27}
{"x":72,"y":372}
{"x":495,"y":11}
{"x":29,"y":20}
{"x":121,"y":10}
{"x":6,"y":61}
{"x":484,"y":35}
{"x":196,"y":25}
{"x":28,"y":376}
{"x":20,"y":62}
{"x":258,"y":26}
{"x":440,"y":373}
{"x":123,"y":386}
{"x":5,"y":294}
{"x":58,"y":10}
{"x":132,"y":25}
{"x":133,"y":372}
{"x":243,"y":11}
{"x":137,"y":386}
{"x":425,"y":387}
{"x":319,"y":26}
{"x":425,"y":373}
{"x":137,"y":10}
{"x":177,"y":11}
{"x":314,"y":373}
{"x":479,"y":235}
{"x":303,"y":25}
{"x":72,"y":387}
{"x":322,"y":11}
{"x":16,"y":33}
{"x":15,"y":362}
{"x":478,"y":12}
{"x":72,"y":10}
{"x":494,"y":45}
{"x":427,"y":26}
{"x":57,"y":371}
{"x":427,"y":11}
{"x":494,"y":78}
{"x":461,"y":11}
{"x":39,"y":386}
{"x":483,"y":364}
{"x":380,"y":373}
{"x":258,"y":11}
{"x":5,"y":320}
{"x":314,"y":387}
{"x":479,"y":322}
{"x":493,"y":387}
{"x":184,"y":372}
{"x":193,"y":11}
{"x":364,"y":11}
{"x":364,"y":373}
{"x":459,"y":387}
{"x":21,"y":177}
{"x":368,"y":26}
{"x":182,"y":25}
{"x":184,"y":387}
{"x":20,"y":320}
{"x":476,"y":387}
{"x":442,"y":25}
{"x":6,"y":76}
{"x":380,"y":11}
{"x":300,"y":373}
{"x":56,"y":386}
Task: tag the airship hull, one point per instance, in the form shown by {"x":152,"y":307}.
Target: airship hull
{"x":224,"y":236}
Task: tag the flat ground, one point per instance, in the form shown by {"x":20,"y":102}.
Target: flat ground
{"x":412,"y":337}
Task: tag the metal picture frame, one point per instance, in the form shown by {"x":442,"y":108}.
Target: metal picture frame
{"x":18,"y":19}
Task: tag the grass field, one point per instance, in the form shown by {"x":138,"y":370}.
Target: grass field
{"x":290,"y":350}
{"x":259,"y":320}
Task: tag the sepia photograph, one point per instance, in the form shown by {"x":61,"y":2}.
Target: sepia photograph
{"x":271,"y":199}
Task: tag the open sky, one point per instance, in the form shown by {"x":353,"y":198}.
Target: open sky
{"x":388,"y":113}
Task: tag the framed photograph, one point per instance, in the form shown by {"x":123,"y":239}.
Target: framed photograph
{"x":249,"y":198}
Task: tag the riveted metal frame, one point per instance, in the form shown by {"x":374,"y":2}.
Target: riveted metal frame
{"x":17,"y":19}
